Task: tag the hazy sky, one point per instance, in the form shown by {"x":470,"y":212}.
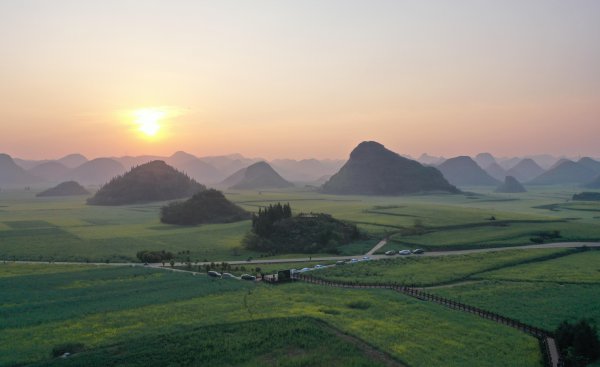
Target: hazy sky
{"x":300,"y":78}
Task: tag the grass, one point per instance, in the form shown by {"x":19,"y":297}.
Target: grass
{"x":426,"y":271}
{"x":66,"y":229}
{"x":544,"y":305}
{"x":583,"y":267}
{"x":270,"y":342}
{"x":101,"y":309}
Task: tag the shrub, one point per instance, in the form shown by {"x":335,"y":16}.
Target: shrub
{"x":578,"y":343}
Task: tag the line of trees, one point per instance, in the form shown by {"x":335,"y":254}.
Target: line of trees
{"x":146,"y":256}
{"x":262,"y":223}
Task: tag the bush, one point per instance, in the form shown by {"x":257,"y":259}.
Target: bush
{"x":146,"y":256}
{"x":61,"y":349}
{"x":578,"y":343}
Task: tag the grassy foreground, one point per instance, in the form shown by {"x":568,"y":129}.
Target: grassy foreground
{"x":119,"y":307}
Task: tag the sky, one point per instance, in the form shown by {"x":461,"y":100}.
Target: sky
{"x":298,"y":79}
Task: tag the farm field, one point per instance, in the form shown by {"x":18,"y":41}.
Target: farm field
{"x":66,"y":229}
{"x":542,"y":293}
{"x":427,"y":271}
{"x":269,"y":342}
{"x":159,"y":305}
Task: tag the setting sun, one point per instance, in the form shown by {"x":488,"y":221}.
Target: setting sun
{"x":148,"y":120}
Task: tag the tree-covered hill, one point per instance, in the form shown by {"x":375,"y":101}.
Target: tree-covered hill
{"x":208,"y":206}
{"x":153,"y":181}
{"x":68,"y":188}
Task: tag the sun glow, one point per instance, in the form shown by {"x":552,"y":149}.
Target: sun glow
{"x":148,"y":120}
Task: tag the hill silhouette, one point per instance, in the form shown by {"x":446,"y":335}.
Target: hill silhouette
{"x":484,"y":160}
{"x":51,"y":171}
{"x":594,"y":184}
{"x":197,"y":169}
{"x":566,"y":172}
{"x":97,"y":171}
{"x":153,"y":181}
{"x":590,"y":163}
{"x":68,"y":188}
{"x":496,"y":171}
{"x":259,"y":175}
{"x":374,"y":170}
{"x":13,"y":175}
{"x":73,"y":160}
{"x":463,"y":171}
{"x":511,"y":185}
{"x":527,"y":169}
{"x":208,"y":206}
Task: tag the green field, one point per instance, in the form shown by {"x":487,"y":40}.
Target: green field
{"x":110,"y":309}
{"x":434,"y":270}
{"x":66,"y":229}
{"x":270,"y":342}
{"x":542,"y":293}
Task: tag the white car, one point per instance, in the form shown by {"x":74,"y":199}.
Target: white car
{"x":353,"y":260}
{"x":366,"y":258}
{"x":303,"y":270}
{"x":404,"y":252}
{"x":228,"y":275}
{"x":390,"y":252}
{"x":319,"y":266}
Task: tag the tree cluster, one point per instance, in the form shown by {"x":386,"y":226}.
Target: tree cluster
{"x":146,"y":256}
{"x":578,"y":343}
{"x":262,"y":223}
{"x":275,"y":230}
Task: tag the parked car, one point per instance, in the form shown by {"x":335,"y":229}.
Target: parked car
{"x":418,"y":251}
{"x":319,"y":266}
{"x":303,"y":270}
{"x":228,"y":275}
{"x":353,"y":260}
{"x":366,"y":258}
{"x":248,"y":277}
{"x":405,"y":252}
{"x":214,"y":274}
{"x":390,"y":252}
{"x":341,"y":262}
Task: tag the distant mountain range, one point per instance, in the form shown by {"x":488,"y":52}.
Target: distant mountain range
{"x":569,"y":172}
{"x":213,"y":170}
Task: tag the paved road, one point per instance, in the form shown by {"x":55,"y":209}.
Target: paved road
{"x":337,"y":258}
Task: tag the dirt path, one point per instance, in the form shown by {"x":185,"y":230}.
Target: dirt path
{"x":379,"y":245}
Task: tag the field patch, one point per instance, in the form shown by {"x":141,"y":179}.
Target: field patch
{"x":426,"y":271}
{"x":270,"y":342}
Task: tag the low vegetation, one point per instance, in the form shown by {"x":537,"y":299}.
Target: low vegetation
{"x":426,"y":271}
{"x":299,"y":341}
{"x":185,"y":308}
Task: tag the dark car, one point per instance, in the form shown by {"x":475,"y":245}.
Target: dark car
{"x":418,"y":251}
{"x":248,"y":277}
{"x":214,"y":274}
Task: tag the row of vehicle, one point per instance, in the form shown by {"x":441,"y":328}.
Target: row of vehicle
{"x":216,"y":274}
{"x":417,"y":251}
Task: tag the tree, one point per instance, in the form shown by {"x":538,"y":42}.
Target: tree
{"x":172,"y":263}
{"x":578,"y":343}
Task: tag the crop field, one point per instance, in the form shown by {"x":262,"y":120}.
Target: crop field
{"x":112,"y":310}
{"x":542,"y":293}
{"x":427,"y":271}
{"x":66,"y":229}
{"x":269,"y":342}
